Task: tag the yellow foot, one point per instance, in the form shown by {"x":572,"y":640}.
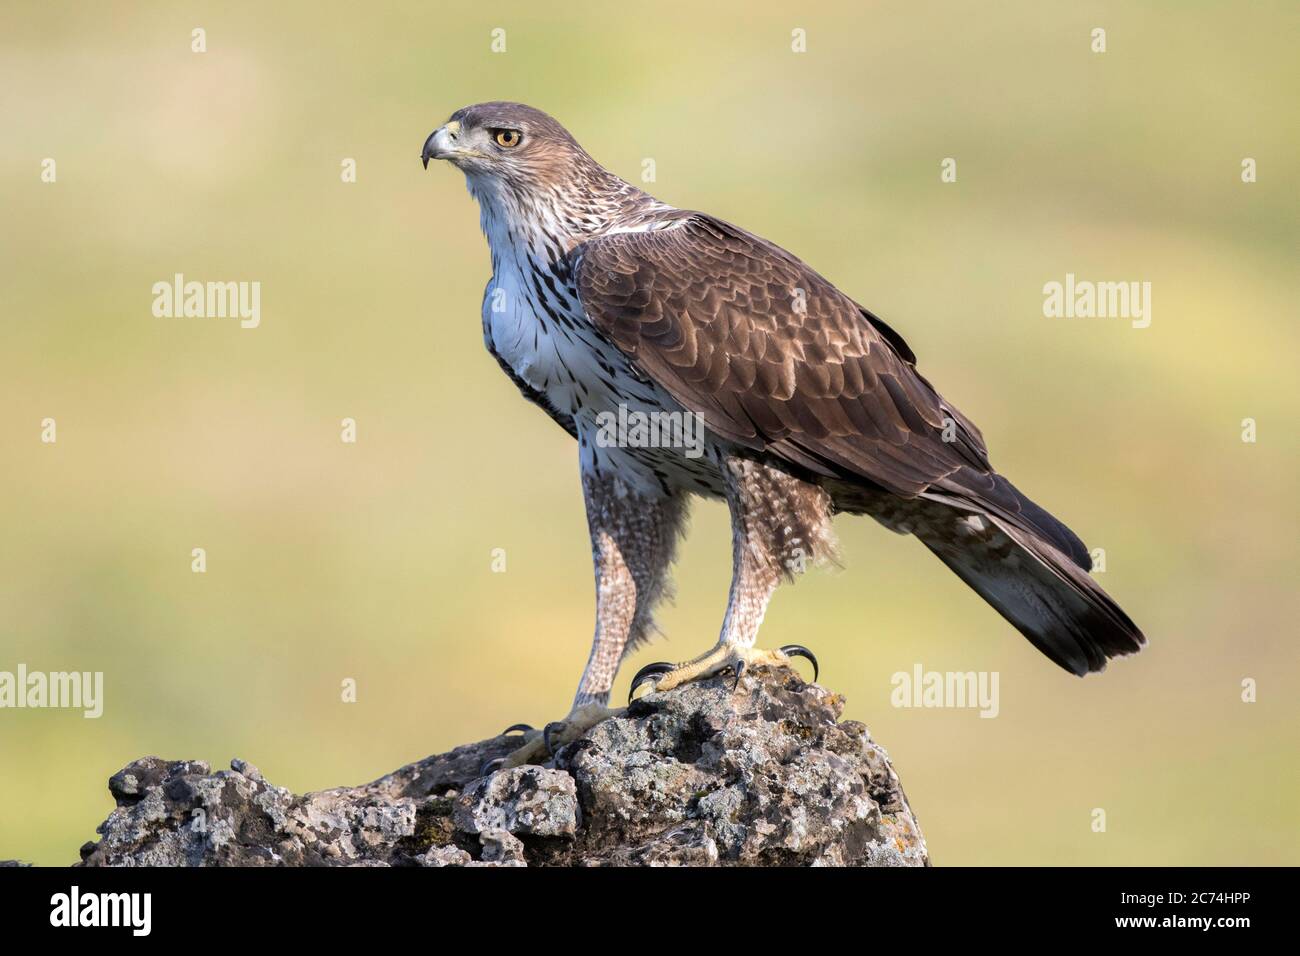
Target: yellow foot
{"x":722,"y":657}
{"x":540,"y":745}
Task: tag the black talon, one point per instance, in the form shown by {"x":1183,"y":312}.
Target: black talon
{"x":739,"y":669}
{"x":798,"y":650}
{"x":491,"y":767}
{"x":513,"y":727}
{"x":647,"y":673}
{"x":546,"y":735}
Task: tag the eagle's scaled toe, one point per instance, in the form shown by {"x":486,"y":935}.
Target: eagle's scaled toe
{"x":721,"y":658}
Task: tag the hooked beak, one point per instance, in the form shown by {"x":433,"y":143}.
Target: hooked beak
{"x":441,"y":143}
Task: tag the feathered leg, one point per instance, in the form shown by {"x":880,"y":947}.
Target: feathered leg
{"x":780,"y":525}
{"x":633,"y":541}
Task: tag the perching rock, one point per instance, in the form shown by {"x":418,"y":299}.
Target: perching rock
{"x":698,"y":776}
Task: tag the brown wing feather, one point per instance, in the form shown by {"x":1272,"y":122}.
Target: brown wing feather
{"x":778,"y":360}
{"x":713,"y":314}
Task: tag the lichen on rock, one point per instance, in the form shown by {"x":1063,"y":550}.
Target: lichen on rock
{"x":762,"y":775}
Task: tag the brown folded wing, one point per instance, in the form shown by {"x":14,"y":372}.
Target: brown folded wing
{"x":774,"y":356}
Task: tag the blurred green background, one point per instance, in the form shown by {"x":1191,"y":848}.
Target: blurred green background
{"x":372,"y":561}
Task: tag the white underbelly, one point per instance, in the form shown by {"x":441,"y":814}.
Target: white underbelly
{"x":623,"y":420}
{"x":571,"y":364}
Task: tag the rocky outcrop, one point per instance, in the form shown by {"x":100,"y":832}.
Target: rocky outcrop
{"x":701,"y":775}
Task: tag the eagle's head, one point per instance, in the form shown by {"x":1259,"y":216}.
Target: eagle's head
{"x":509,"y":142}
{"x":532,"y":180}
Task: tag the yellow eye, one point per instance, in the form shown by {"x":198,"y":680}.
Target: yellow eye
{"x":508,"y":138}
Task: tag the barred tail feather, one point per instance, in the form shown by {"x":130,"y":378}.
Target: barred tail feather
{"x":1040,"y":589}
